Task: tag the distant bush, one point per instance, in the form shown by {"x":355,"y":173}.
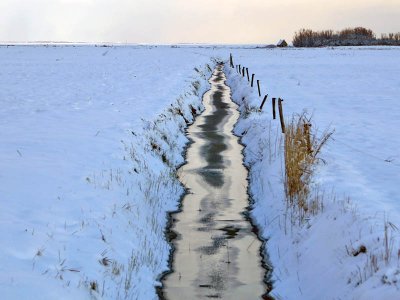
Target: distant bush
{"x":358,"y":36}
{"x":390,"y":39}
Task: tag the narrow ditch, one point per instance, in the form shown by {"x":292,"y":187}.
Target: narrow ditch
{"x":216,"y":249}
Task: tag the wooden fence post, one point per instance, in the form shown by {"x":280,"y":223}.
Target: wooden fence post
{"x":252,"y":80}
{"x":258,"y":85}
{"x":231,"y":60}
{"x":281,"y":115}
{"x":243,"y":73}
{"x":262,"y":103}
{"x":240,"y":69}
{"x":247,"y":72}
{"x":308,"y":137}
{"x":273,"y":108}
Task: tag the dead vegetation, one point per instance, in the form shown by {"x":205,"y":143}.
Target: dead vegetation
{"x":358,"y":36}
{"x":380,"y":256}
{"x":248,"y":109}
{"x":301,"y":149}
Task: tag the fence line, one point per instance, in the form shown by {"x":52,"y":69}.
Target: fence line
{"x":244,"y":71}
{"x":388,"y":160}
{"x":263,"y":102}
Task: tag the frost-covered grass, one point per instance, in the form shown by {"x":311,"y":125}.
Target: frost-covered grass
{"x":90,"y":140}
{"x":350,"y":248}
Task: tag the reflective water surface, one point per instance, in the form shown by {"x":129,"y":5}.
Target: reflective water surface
{"x":217,"y":254}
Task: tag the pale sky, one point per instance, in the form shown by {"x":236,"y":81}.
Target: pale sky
{"x":187,"y":21}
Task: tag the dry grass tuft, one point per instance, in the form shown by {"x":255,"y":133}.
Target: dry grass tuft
{"x":94,"y":286}
{"x":301,"y":155}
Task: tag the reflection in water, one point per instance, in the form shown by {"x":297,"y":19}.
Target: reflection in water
{"x":217,"y":254}
{"x":212,"y":150}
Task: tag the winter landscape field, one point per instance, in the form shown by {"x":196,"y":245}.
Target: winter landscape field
{"x":91,"y":137}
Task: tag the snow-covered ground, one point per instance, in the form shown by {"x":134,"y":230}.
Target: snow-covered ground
{"x":89,"y":143}
{"x":355,"y":92}
{"x":90,"y":138}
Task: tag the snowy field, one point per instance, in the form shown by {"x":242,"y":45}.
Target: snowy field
{"x":90,"y":138}
{"x":354,"y":92}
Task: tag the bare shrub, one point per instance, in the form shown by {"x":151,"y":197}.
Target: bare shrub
{"x":358,"y":36}
{"x":356,"y":33}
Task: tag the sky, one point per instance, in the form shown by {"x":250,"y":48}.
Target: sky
{"x":187,"y":21}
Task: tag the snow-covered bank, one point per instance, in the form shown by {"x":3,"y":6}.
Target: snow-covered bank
{"x":85,"y":180}
{"x":354,"y":90}
{"x":323,"y":258}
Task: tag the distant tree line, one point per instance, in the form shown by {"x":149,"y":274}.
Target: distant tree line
{"x":358,"y":36}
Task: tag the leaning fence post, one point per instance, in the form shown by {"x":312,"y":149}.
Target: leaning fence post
{"x":231,"y":60}
{"x":240,"y":69}
{"x":273,"y":109}
{"x":258,"y":85}
{"x":247,"y":72}
{"x":252,"y":80}
{"x":243,"y":71}
{"x":262,"y":103}
{"x":281,"y":115}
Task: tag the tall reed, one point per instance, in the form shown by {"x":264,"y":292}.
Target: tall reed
{"x":301,"y":149}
